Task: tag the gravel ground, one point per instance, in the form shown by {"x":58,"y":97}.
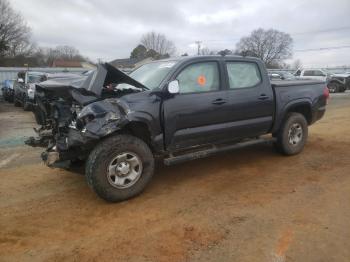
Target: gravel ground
{"x":248,"y":205}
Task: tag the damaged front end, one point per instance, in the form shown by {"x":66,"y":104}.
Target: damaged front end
{"x":74,"y":115}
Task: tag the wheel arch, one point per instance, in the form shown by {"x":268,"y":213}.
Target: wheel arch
{"x":337,"y":81}
{"x":140,"y":130}
{"x":302,"y":106}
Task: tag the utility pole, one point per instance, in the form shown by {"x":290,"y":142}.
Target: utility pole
{"x":198,"y":43}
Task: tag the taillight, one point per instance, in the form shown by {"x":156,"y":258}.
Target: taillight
{"x":326,"y":94}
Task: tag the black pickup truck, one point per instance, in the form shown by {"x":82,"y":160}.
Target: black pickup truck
{"x":172,"y":110}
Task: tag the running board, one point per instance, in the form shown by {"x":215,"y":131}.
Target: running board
{"x":172,"y":160}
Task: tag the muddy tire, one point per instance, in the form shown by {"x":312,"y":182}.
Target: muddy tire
{"x":292,"y":136}
{"x":119,"y":167}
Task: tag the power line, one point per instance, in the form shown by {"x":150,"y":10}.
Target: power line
{"x":323,"y":30}
{"x":323,"y":48}
{"x":292,"y":34}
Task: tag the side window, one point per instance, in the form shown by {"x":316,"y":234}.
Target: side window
{"x":243,"y":74}
{"x":308,"y":73}
{"x":199,"y":77}
{"x":318,"y":73}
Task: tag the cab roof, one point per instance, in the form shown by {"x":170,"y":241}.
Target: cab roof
{"x":205,"y":57}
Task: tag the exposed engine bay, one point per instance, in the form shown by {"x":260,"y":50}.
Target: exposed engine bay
{"x":75,"y":112}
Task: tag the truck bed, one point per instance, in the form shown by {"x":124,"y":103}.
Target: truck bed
{"x":305,"y":92}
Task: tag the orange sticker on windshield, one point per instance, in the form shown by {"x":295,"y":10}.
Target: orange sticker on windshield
{"x":201,"y":80}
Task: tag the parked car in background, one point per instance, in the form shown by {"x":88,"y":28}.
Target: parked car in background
{"x":172,"y":110}
{"x":281,"y":75}
{"x":7,"y":90}
{"x":24,"y":88}
{"x":339,"y":82}
{"x":335,"y":82}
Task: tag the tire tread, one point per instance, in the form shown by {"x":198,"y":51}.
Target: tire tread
{"x":102,"y":151}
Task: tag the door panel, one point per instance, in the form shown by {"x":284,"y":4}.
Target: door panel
{"x":192,"y":119}
{"x":251,"y":101}
{"x":194,"y":116}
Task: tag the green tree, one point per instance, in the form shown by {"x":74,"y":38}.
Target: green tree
{"x":139,"y":52}
{"x":225,"y":52}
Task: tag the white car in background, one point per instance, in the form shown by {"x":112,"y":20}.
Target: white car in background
{"x":335,"y":82}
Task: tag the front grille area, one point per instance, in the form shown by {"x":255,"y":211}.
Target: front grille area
{"x":347,"y":82}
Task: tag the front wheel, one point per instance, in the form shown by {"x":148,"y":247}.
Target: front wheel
{"x":342,"y":89}
{"x":119,"y":167}
{"x":26,"y":105}
{"x":333,"y":87}
{"x":17,"y":103}
{"x":292,"y":136}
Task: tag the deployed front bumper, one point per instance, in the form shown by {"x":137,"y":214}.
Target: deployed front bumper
{"x":57,"y":159}
{"x":62,"y":150}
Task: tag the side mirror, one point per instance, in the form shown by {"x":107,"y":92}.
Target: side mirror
{"x":173,"y":87}
{"x":20,"y":80}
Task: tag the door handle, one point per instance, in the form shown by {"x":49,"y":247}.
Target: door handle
{"x":263,"y":97}
{"x":219,"y":101}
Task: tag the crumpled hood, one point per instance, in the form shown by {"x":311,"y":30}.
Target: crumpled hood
{"x":92,"y":83}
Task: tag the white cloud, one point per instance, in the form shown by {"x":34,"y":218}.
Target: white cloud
{"x":109,"y":29}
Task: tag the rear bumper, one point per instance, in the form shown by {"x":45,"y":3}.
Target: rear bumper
{"x":318,"y":114}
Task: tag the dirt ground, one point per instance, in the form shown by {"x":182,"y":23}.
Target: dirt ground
{"x":248,"y":205}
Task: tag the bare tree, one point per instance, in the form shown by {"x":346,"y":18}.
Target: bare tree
{"x":14,"y":32}
{"x":271,"y":46}
{"x":204,"y":51}
{"x":46,"y":55}
{"x":158,"y":42}
{"x":68,"y":52}
{"x":296,"y":64}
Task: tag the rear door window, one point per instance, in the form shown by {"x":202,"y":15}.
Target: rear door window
{"x":243,"y":74}
{"x":318,"y":73}
{"x":309,"y":73}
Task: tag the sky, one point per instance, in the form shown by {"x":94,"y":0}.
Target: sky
{"x":110,"y":29}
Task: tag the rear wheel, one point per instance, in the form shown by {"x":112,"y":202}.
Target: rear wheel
{"x":119,"y":167}
{"x":292,"y":136}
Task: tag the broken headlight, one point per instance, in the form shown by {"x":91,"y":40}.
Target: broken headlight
{"x":101,"y":111}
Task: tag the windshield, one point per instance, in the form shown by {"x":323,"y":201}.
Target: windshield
{"x":35,"y":78}
{"x":150,"y":75}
